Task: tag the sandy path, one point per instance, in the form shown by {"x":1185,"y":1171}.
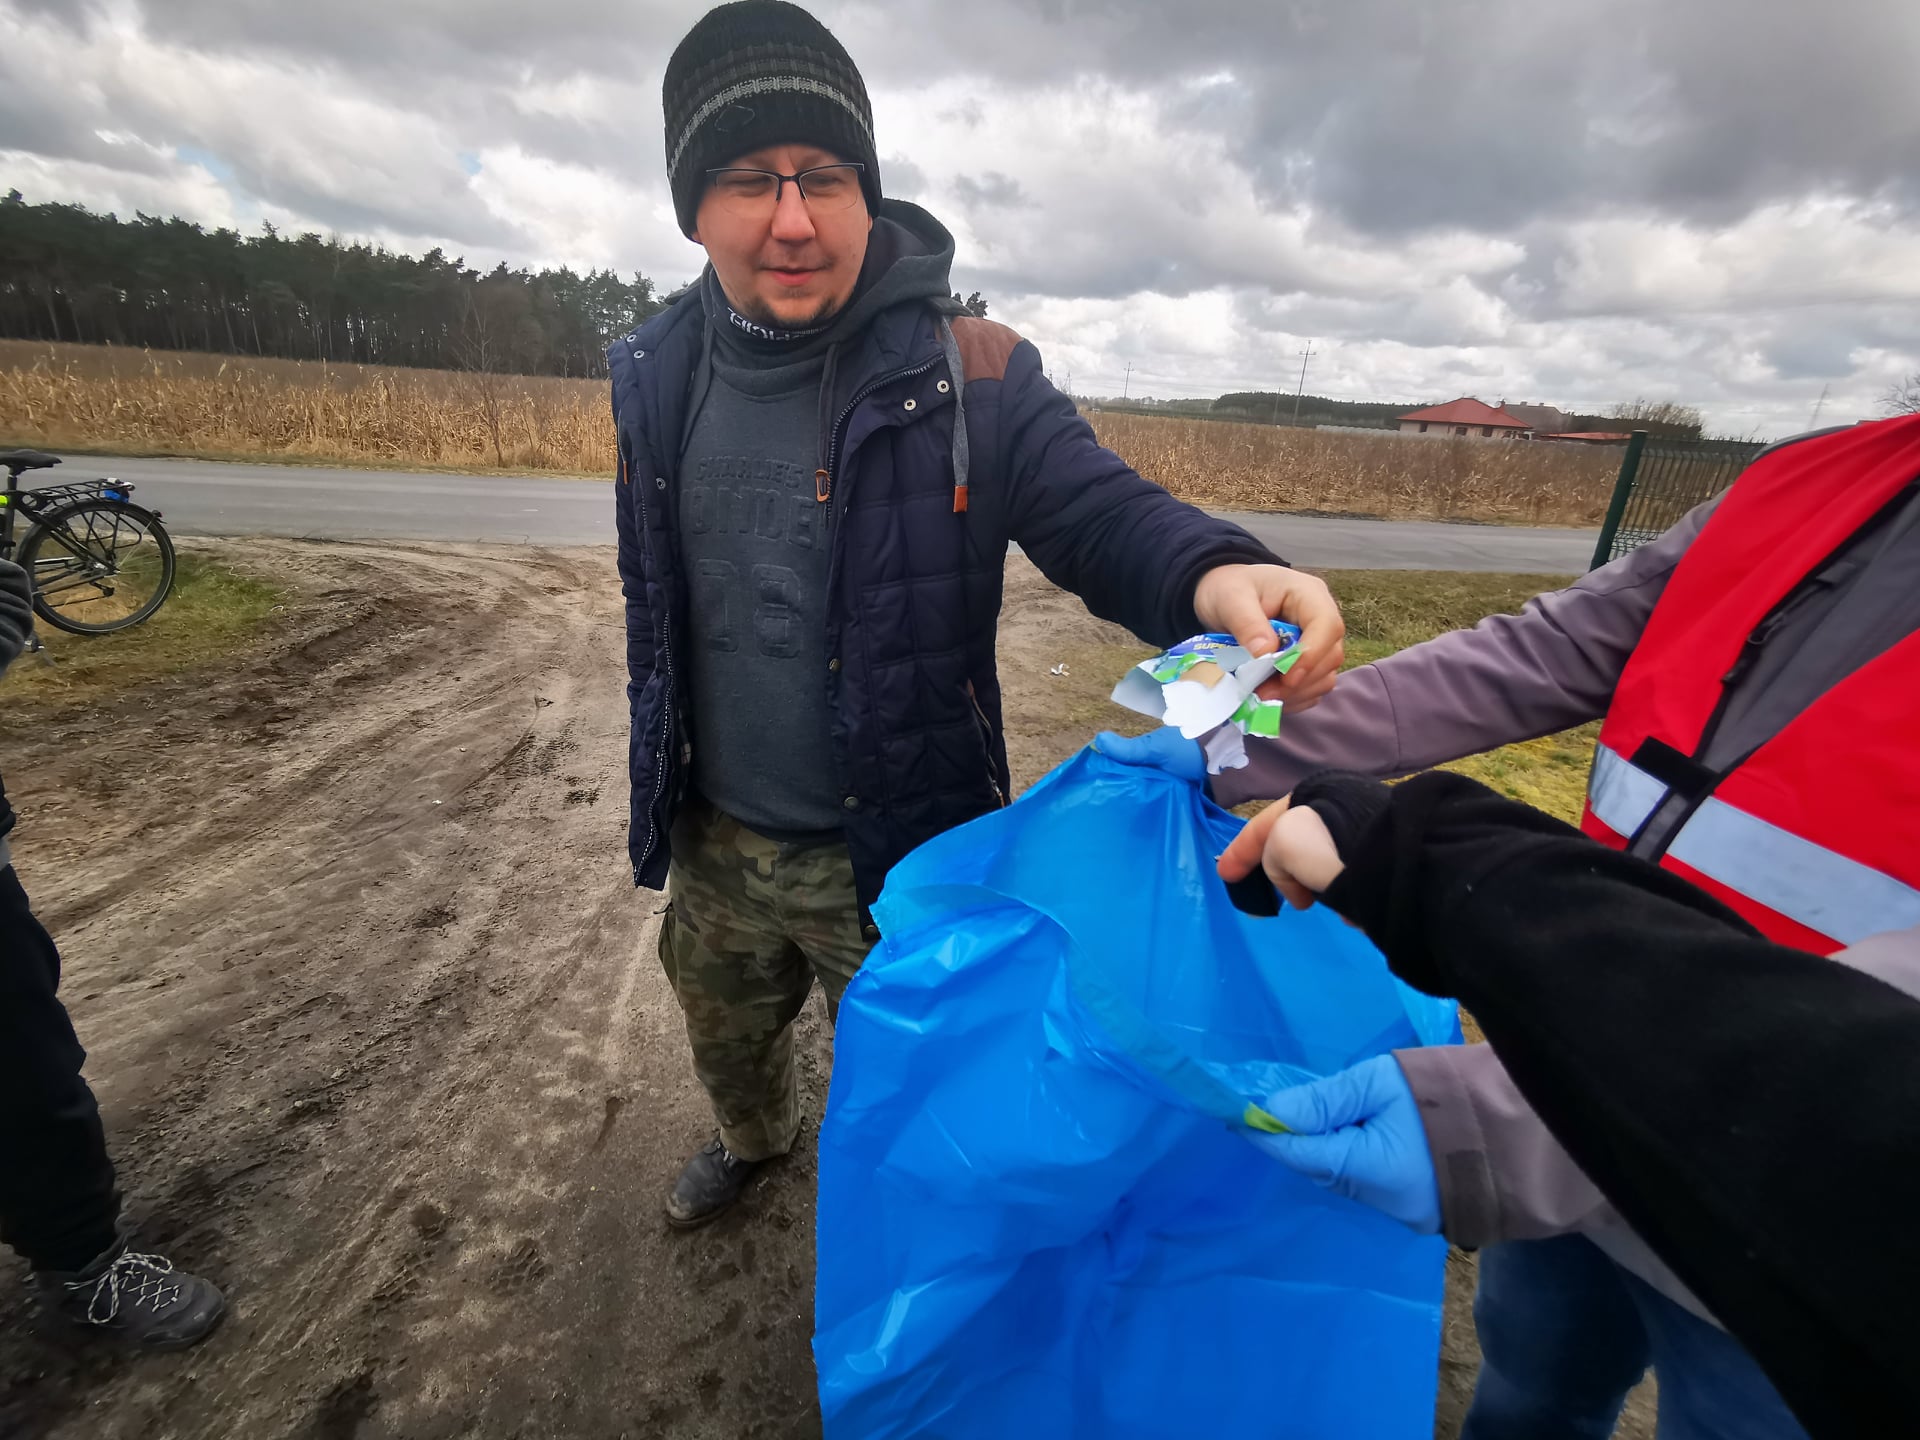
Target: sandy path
{"x":352,"y":939}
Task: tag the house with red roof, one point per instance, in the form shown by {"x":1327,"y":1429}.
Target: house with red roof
{"x":1465,"y":418}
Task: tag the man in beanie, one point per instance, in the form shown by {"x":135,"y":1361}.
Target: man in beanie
{"x":822,"y":463}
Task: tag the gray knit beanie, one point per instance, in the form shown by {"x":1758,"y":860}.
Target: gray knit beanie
{"x":756,"y":73}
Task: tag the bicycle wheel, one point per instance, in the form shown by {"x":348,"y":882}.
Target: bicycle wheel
{"x":98,"y":566}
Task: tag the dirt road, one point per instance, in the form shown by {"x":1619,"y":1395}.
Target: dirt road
{"x":380,"y":1038}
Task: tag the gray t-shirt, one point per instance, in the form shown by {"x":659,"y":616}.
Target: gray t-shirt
{"x":754,"y":541}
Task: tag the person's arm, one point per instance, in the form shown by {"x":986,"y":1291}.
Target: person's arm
{"x":1751,"y":1110}
{"x":1132,"y":552}
{"x":1093,"y":525}
{"x":16,"y":612}
{"x":1509,"y":678}
{"x":1502,"y":1174}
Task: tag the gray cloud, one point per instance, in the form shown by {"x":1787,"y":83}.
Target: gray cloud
{"x":990,"y":191}
{"x":31,"y":120}
{"x":1394,"y":116}
{"x":1490,"y":113}
{"x":478,"y":38}
{"x":1810,"y":354}
{"x":1576,"y":201}
{"x":74,"y":15}
{"x":903,"y":179}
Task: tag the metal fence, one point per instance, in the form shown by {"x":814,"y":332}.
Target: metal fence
{"x":1661,"y":480}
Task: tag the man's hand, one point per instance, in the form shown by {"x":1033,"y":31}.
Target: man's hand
{"x":1359,"y":1133}
{"x":1242,"y":599}
{"x":1293,"y":846}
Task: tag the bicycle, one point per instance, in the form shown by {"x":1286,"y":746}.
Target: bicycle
{"x":98,"y":562}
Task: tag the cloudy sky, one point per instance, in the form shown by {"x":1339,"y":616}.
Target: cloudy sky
{"x":1576,"y":201}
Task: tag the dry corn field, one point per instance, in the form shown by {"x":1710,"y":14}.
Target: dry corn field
{"x":1264,"y":467}
{"x":225,"y":407}
{"x":238,"y":407}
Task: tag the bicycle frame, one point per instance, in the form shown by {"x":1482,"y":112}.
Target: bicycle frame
{"x":37,"y":503}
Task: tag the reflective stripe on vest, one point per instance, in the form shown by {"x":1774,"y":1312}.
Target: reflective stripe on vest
{"x":1621,"y":794}
{"x":1808,"y":883}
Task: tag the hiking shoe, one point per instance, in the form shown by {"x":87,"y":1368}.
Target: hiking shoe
{"x":708,"y":1186}
{"x":139,"y":1299}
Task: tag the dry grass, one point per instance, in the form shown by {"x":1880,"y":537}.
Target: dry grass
{"x":1263,"y":467}
{"x":87,"y":397}
{"x":213,"y":611}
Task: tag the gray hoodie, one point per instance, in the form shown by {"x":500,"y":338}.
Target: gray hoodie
{"x":1502,"y":1175}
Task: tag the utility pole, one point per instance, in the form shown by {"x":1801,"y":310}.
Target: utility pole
{"x":1126,"y":385}
{"x":1305,"y":355}
{"x":1818,"y":406}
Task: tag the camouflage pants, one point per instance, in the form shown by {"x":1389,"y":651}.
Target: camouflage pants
{"x":750,"y":923}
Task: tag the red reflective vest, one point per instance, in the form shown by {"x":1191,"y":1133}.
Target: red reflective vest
{"x":1815,"y":836}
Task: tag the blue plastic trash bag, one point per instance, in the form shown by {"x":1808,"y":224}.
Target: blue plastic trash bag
{"x":1036,"y":1218}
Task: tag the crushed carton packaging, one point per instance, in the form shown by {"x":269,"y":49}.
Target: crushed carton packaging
{"x":1206,"y":687}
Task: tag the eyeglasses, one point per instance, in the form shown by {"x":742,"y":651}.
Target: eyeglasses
{"x":756,"y":193}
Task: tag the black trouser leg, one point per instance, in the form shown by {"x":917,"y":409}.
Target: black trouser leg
{"x":58,"y":1205}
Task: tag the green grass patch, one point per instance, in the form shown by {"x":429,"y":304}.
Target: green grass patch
{"x":1549,"y":774}
{"x":1388,"y":610}
{"x":212,"y":612}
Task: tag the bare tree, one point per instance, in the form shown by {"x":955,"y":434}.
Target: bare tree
{"x":1902,"y":397}
{"x":478,"y":350}
{"x":1661,"y":417}
{"x":497,"y":334}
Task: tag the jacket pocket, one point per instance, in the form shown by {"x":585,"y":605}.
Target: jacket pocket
{"x":986,"y":746}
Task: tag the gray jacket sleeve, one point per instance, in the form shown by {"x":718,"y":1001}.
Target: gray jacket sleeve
{"x":1509,"y":678}
{"x":1504,"y":1177}
{"x":16,"y":613}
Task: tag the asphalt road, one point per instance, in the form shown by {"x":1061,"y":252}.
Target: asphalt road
{"x":206,"y":498}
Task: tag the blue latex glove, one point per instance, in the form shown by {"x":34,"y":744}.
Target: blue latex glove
{"x":1165,"y":750}
{"x":1359,"y":1134}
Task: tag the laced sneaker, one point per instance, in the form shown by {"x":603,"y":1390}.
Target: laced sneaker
{"x":140,"y":1299}
{"x":708,"y":1186}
